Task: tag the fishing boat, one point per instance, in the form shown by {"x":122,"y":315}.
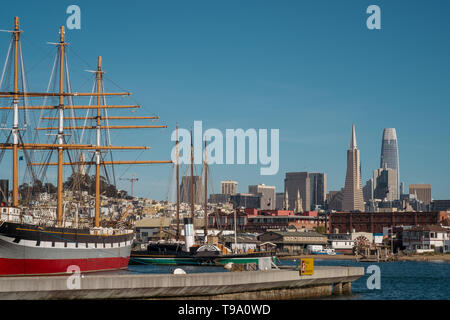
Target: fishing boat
{"x":45,"y":240}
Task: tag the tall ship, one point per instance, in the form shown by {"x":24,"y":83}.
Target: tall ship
{"x":37,"y":238}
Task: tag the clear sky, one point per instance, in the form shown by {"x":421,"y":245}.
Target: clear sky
{"x":307,"y":68}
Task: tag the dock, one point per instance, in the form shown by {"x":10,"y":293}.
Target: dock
{"x":271,"y":284}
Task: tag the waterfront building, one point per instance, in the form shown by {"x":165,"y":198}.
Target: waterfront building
{"x":389,"y":156}
{"x":344,"y":242}
{"x":267,"y":195}
{"x":229,"y":187}
{"x":374,"y":222}
{"x":428,"y":238}
{"x":422,"y":192}
{"x":293,"y":242}
{"x":353,"y":196}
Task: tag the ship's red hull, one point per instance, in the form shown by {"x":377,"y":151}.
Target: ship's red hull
{"x":23,"y":267}
{"x":31,"y":250}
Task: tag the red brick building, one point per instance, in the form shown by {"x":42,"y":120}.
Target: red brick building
{"x":375,"y":221}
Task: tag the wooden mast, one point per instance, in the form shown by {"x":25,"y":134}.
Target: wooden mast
{"x":97,"y":152}
{"x":178,"y":188}
{"x":206,"y":197}
{"x":15,"y":129}
{"x":59,"y":206}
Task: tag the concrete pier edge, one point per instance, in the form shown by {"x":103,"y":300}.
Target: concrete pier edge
{"x":269,"y":284}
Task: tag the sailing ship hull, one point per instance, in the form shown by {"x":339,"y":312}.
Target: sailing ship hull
{"x":31,"y":250}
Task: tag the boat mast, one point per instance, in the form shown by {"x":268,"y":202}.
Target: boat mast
{"x":60,"y":135}
{"x":192,"y":179}
{"x":15,"y":129}
{"x":206,"y":196}
{"x":99,"y":74}
{"x":178,"y":188}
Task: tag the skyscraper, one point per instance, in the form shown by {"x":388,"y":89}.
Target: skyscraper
{"x":229,"y":187}
{"x":385,"y":184}
{"x":389,"y":154}
{"x":353,"y":196}
{"x":295,"y":182}
{"x":318,"y":189}
{"x":422,"y":191}
{"x":185,"y":190}
{"x":267,"y":195}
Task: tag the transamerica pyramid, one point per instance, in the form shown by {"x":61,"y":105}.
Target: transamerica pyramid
{"x":353,"y":195}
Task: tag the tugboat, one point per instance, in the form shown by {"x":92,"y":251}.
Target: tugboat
{"x":177,"y":252}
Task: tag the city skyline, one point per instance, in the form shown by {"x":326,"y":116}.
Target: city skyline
{"x":265,"y":65}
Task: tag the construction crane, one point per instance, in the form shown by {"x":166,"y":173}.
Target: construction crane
{"x":132,"y":180}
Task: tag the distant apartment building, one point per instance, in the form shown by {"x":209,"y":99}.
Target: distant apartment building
{"x":267,"y":195}
{"x":185,"y":190}
{"x":229,"y":187}
{"x":422,"y":191}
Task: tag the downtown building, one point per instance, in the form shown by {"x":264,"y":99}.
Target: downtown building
{"x":422,"y":192}
{"x":385,"y":184}
{"x":268,"y":198}
{"x":389,"y":159}
{"x":353,"y":195}
{"x":185,"y":189}
{"x":304,"y":189}
{"x":229,"y":187}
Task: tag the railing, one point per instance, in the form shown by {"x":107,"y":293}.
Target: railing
{"x":49,"y":221}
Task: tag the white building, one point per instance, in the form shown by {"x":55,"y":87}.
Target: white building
{"x":426,"y":239}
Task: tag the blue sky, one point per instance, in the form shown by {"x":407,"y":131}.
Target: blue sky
{"x":308,"y":68}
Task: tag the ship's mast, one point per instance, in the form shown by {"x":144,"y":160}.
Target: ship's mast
{"x":178,"y":188}
{"x":192,"y":179}
{"x":59,"y":206}
{"x":15,"y":128}
{"x":61,"y":145}
{"x":99,"y":74}
{"x":206,"y":196}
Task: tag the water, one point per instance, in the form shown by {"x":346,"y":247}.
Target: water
{"x":400,"y":280}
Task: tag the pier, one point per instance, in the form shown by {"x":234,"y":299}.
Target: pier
{"x":268,"y":284}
